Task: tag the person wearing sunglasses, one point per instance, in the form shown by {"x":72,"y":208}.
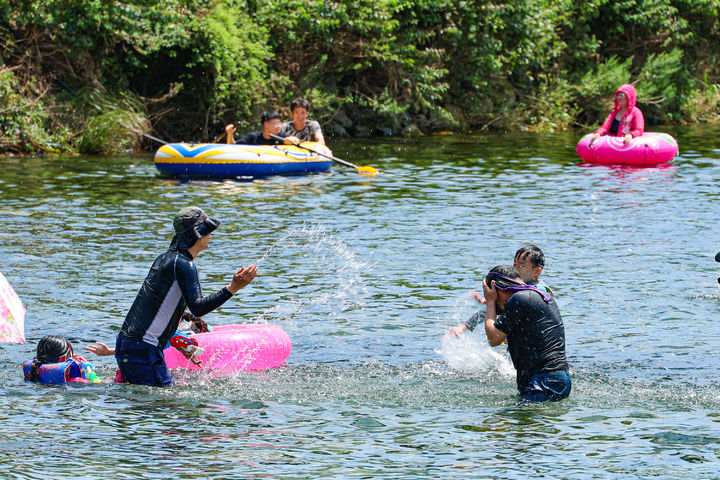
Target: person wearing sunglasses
{"x":530,"y":320}
{"x":626,"y":119}
{"x":171,"y":285}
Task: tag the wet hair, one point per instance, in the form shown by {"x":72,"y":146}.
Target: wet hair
{"x":268,"y":115}
{"x":50,"y":349}
{"x":508,"y":279}
{"x":505,"y":276}
{"x":532,"y":253}
{"x":299,"y":102}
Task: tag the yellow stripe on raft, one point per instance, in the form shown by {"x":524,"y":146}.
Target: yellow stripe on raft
{"x":207,"y":153}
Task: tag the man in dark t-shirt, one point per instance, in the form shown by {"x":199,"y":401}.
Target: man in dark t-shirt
{"x":531,"y":322}
{"x":271,"y":124}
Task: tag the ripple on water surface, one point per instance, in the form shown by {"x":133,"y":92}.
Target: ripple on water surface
{"x":366,"y":275}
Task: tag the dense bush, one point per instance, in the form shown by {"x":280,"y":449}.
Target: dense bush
{"x":72,"y":72}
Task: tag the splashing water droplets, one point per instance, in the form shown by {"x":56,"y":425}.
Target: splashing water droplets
{"x":333,"y":274}
{"x":470,"y":351}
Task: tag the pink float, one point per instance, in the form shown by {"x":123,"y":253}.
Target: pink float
{"x":232,"y":348}
{"x":12,"y":314}
{"x":650,"y":149}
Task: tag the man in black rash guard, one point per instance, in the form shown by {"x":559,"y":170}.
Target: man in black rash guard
{"x":531,"y":322}
{"x":271,"y":125}
{"x":171,"y":285}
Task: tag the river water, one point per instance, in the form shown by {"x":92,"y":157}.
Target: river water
{"x":366,"y":275}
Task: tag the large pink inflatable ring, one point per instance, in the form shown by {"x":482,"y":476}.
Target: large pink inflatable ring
{"x":650,"y":149}
{"x":229,"y":349}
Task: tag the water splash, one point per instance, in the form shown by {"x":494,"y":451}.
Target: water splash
{"x":337,"y":271}
{"x":470,"y":351}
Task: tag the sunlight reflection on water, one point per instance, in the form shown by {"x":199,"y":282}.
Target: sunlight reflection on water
{"x":366,"y":276}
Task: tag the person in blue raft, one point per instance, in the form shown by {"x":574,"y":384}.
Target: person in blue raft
{"x":55,"y":364}
{"x":170,"y":287}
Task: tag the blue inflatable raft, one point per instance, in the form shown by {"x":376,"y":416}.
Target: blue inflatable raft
{"x":215,"y":160}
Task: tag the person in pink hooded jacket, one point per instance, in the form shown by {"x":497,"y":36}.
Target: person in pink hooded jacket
{"x":626,"y":120}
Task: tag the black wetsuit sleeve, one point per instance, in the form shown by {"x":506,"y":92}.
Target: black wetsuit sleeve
{"x":478,"y":317}
{"x":187,"y":277}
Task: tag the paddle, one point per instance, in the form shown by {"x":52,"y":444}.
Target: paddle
{"x":145,"y":134}
{"x":217,"y":139}
{"x":163,"y":141}
{"x":366,"y":170}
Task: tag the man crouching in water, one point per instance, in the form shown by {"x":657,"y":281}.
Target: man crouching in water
{"x":530,"y":320}
{"x":171,"y":285}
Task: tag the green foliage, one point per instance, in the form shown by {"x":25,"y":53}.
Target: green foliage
{"x":102,"y":32}
{"x":596,"y":88}
{"x":358,"y":52}
{"x":190,"y":66}
{"x":113,"y":122}
{"x":703,"y":104}
{"x":661,"y":86}
{"x":231,"y":51}
{"x":23,"y":116}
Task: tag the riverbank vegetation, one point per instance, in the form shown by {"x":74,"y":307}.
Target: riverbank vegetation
{"x":86,"y":75}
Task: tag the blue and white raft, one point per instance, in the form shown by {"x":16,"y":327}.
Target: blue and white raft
{"x":216,"y":160}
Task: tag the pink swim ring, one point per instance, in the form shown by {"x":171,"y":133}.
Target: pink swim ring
{"x":650,"y":149}
{"x":233,"y":348}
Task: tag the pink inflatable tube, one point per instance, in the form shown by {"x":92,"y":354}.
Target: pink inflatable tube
{"x":232,"y":348}
{"x":648,"y":150}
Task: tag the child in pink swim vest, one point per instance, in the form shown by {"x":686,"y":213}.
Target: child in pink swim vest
{"x":626,"y":120}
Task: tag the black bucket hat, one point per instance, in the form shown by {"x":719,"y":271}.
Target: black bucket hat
{"x":190,"y":225}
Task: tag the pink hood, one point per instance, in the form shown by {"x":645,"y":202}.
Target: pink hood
{"x":630,"y":93}
{"x":632,"y":122}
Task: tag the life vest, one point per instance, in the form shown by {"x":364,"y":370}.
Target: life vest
{"x":540,"y":285}
{"x":76,"y":369}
